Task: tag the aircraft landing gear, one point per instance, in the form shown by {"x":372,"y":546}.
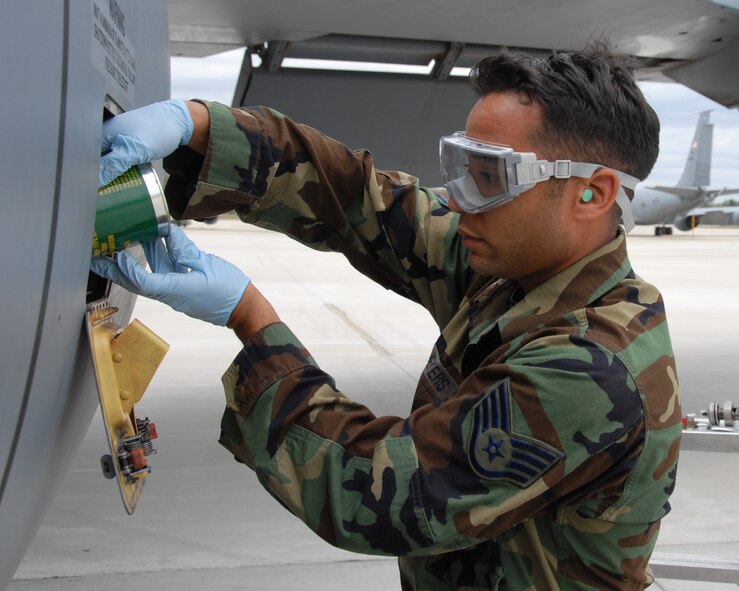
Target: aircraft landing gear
{"x":663,"y":231}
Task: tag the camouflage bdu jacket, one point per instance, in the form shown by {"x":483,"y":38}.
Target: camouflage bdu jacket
{"x":541,"y":446}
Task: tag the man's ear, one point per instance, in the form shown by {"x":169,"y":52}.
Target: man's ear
{"x":596,"y":195}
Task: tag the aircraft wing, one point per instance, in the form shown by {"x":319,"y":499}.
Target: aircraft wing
{"x":682,"y":192}
{"x":690,"y":193}
{"x":693,"y":42}
{"x":719,"y":192}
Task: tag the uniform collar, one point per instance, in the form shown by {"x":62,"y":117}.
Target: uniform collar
{"x":572,"y":289}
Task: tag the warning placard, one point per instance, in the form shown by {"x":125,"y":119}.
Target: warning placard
{"x":112,"y":52}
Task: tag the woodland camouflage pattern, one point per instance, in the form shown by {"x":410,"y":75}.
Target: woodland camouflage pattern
{"x":542,"y":443}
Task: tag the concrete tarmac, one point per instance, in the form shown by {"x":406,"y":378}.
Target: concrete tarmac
{"x":205,"y":522}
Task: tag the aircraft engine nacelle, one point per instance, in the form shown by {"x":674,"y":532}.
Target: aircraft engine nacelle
{"x":69,"y":64}
{"x":687,"y":222}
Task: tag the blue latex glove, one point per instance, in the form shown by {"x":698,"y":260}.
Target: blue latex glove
{"x":143,"y":135}
{"x":184,"y":277}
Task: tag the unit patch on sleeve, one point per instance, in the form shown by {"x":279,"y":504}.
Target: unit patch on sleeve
{"x":495,"y":451}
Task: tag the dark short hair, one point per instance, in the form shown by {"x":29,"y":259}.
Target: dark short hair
{"x":593,"y":109}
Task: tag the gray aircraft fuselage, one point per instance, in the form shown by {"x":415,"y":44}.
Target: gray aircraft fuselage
{"x":66,"y":66}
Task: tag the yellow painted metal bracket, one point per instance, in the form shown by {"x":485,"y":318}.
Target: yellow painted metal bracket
{"x":125,"y":361}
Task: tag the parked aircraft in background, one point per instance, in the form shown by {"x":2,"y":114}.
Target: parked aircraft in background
{"x":663,"y":205}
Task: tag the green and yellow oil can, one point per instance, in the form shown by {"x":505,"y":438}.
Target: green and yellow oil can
{"x":130,"y":209}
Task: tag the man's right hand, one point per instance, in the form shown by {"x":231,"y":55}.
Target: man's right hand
{"x":142,"y":135}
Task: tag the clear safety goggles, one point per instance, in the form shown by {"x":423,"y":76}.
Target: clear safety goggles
{"x":481,"y":175}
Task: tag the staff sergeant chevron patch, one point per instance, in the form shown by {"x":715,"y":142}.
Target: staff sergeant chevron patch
{"x":495,"y":451}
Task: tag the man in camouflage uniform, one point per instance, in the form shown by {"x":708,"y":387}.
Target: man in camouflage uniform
{"x":541,"y":446}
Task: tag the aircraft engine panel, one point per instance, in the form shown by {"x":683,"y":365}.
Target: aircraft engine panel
{"x":688,"y":222}
{"x":66,"y":65}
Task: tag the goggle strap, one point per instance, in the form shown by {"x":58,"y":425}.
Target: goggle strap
{"x":584,"y":169}
{"x":539,"y":170}
{"x":627,"y":181}
{"x":534,"y":171}
{"x":627,"y":215}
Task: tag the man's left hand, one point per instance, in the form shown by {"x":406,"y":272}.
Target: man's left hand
{"x":184,"y":277}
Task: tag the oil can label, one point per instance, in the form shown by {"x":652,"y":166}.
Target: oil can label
{"x":125,"y":214}
{"x":112,"y":51}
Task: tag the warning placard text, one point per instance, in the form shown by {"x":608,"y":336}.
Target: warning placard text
{"x":112,"y":52}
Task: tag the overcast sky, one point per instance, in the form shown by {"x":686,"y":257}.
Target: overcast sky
{"x":214,"y":78}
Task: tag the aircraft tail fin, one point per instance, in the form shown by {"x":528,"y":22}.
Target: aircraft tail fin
{"x":697,"y":171}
